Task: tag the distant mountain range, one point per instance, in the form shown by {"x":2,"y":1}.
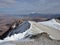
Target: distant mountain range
{"x":33,"y":15}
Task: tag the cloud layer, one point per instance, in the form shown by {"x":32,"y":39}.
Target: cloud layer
{"x":28,"y":6}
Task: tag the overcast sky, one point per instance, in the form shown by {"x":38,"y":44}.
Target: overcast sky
{"x":29,"y":6}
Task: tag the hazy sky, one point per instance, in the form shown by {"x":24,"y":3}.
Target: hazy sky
{"x":28,"y":6}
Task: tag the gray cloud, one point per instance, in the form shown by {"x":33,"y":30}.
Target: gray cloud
{"x":28,"y":6}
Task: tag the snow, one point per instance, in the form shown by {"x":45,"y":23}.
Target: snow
{"x":35,"y":28}
{"x":51,"y":23}
{"x":48,"y":27}
{"x":14,"y":37}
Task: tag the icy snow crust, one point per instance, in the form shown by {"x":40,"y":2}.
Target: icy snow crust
{"x":51,"y":27}
{"x":51,"y":23}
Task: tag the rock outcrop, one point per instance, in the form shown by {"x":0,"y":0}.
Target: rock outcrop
{"x":7,"y":24}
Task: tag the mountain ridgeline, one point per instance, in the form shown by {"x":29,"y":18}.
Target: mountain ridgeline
{"x":35,"y":15}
